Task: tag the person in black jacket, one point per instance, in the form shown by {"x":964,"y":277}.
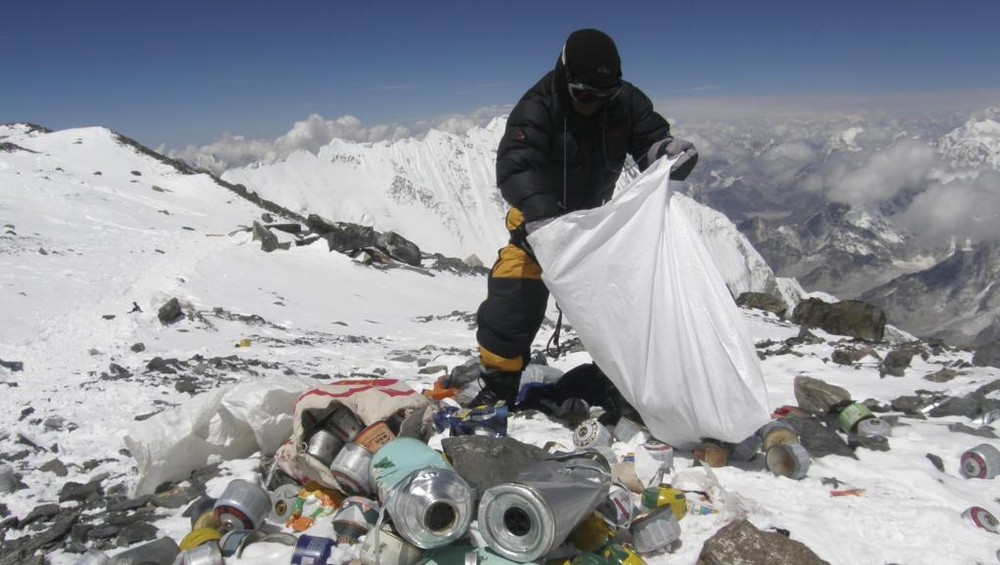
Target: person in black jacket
{"x":564,"y":148}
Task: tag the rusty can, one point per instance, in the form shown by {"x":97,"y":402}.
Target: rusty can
{"x":350,"y":468}
{"x":981,"y":462}
{"x":775,"y":433}
{"x":242,"y":506}
{"x":324,"y":446}
{"x":788,"y":460}
{"x":982,"y":519}
{"x":375,"y":436}
{"x":344,"y":423}
{"x":711,"y":454}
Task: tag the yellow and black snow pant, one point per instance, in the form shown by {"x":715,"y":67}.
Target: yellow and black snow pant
{"x":515,"y":304}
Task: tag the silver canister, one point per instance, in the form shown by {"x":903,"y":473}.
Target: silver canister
{"x":655,"y":531}
{"x":432,"y":507}
{"x":872,"y":427}
{"x":324,"y":446}
{"x":591,"y":434}
{"x":386,"y":547}
{"x":527,"y":518}
{"x":233,"y":541}
{"x":617,"y":509}
{"x":982,"y":518}
{"x":163,"y":550}
{"x":344,"y":423}
{"x":747,"y":449}
{"x":355,"y":517}
{"x":627,"y":430}
{"x":981,"y":462}
{"x":350,"y":468}
{"x":204,"y":554}
{"x":776,"y":432}
{"x":242,"y":506}
{"x":283,"y":501}
{"x":788,"y":460}
{"x":661,"y":452}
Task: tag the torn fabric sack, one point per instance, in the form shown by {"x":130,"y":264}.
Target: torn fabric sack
{"x":640,"y":288}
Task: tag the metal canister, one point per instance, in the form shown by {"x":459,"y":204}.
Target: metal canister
{"x":283,"y":503}
{"x":375,"y":436}
{"x":235,"y":540}
{"x":981,"y":462}
{"x":655,"y":531}
{"x":618,"y":508}
{"x":982,"y":519}
{"x":202,"y":514}
{"x":324,"y":446}
{"x":775,"y":433}
{"x":350,"y":468}
{"x":198,"y":537}
{"x":711,"y":454}
{"x":384,"y":546}
{"x":851,"y":415}
{"x":665,"y":496}
{"x":747,"y":449}
{"x":661,"y":452}
{"x":355,"y":517}
{"x":990,"y":417}
{"x":312,"y":550}
{"x":874,"y":426}
{"x":626,"y":430}
{"x":206,"y":554}
{"x":591,"y":434}
{"x":344,"y":423}
{"x":242,"y":506}
{"x":788,"y":460}
{"x":591,"y":534}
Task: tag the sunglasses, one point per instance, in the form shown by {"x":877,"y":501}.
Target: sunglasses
{"x":586,"y":94}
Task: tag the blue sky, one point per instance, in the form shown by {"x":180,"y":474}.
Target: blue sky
{"x":179,"y":73}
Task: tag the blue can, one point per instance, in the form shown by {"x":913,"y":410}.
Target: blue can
{"x":312,"y":550}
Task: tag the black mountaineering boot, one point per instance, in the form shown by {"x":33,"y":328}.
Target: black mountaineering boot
{"x":497,"y":387}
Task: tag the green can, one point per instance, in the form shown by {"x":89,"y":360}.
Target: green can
{"x":852,"y":414}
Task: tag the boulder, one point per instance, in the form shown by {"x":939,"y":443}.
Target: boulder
{"x":851,"y":318}
{"x":819,"y":439}
{"x":763,"y":301}
{"x":399,"y":248}
{"x":818,"y":397}
{"x":487,"y":461}
{"x":170,"y":312}
{"x":742,"y":542}
{"x":987,"y":355}
{"x":896,"y":362}
{"x":268,"y":241}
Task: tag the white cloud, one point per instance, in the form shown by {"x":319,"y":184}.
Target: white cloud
{"x":884,"y":174}
{"x":963,"y":209}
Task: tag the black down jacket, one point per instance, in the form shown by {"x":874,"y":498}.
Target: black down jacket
{"x":553,"y":160}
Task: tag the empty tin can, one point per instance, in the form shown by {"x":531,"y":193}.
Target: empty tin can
{"x":324,"y":446}
{"x":591,"y":434}
{"x":990,"y":417}
{"x":344,"y":423}
{"x":242,"y":506}
{"x":655,"y":531}
{"x":981,"y":462}
{"x":312,"y":550}
{"x":788,"y":460}
{"x":206,"y":554}
{"x":711,"y":454}
{"x":618,"y":508}
{"x":851,"y":415}
{"x":234,"y":541}
{"x":350,"y":468}
{"x":375,"y":436}
{"x":591,"y":534}
{"x":661,"y":452}
{"x":283,"y":503}
{"x":982,"y":519}
{"x":665,"y":496}
{"x":384,"y":546}
{"x":775,"y":433}
{"x":874,"y":426}
{"x":202,"y":514}
{"x":746,"y":450}
{"x":355,"y":517}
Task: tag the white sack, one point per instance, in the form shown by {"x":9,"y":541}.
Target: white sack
{"x":229,"y":423}
{"x":638,"y":285}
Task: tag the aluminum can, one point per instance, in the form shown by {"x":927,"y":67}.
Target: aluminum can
{"x":776,"y":433}
{"x":344,"y":423}
{"x":788,"y":460}
{"x":234,"y":541}
{"x":350,"y":468}
{"x":626,"y":430}
{"x":430,"y":504}
{"x":375,"y":436}
{"x":661,"y":452}
{"x":655,"y":531}
{"x":990,"y":417}
{"x":324,"y":446}
{"x":665,"y":496}
{"x":618,"y":508}
{"x":747,"y":449}
{"x":202,"y":513}
{"x":384,"y":546}
{"x":312,"y":550}
{"x":874,"y":426}
{"x":981,"y":462}
{"x":355,"y":517}
{"x":851,"y":415}
{"x":283,"y":503}
{"x":205,"y":554}
{"x":527,"y":518}
{"x":242,"y":506}
{"x":591,"y":434}
{"x":198,"y":537}
{"x":982,"y":519}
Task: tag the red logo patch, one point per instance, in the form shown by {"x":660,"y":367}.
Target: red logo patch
{"x":520,"y":135}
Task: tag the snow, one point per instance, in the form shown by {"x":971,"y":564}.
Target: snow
{"x":107,"y":243}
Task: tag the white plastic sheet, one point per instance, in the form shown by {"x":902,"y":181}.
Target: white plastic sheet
{"x":639,"y":286}
{"x":229,"y":423}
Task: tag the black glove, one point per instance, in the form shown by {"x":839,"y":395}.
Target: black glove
{"x":686,"y":153}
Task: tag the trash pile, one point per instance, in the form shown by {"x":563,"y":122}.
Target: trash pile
{"x":358,"y":481}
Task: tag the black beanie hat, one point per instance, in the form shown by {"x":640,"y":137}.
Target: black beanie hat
{"x":591,"y":57}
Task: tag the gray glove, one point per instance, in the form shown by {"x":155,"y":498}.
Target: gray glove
{"x":684,"y":150}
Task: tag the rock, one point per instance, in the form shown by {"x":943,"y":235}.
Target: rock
{"x":742,"y":543}
{"x":55,"y":466}
{"x":12,"y":366}
{"x":967,"y":406}
{"x":42,"y":513}
{"x":936,"y":461}
{"x":942,"y":376}
{"x":81,"y":493}
{"x":982,"y":431}
{"x":473,"y":261}
{"x":170,"y":312}
{"x":135,"y":533}
{"x":874,"y":443}
{"x":987,"y":355}
{"x":818,"y":397}
{"x":763,"y":301}
{"x":910,"y":405}
{"x":293,"y":229}
{"x":161,"y":365}
{"x":268,"y":241}
{"x":850,"y":318}
{"x":819,"y":440}
{"x":138,"y":347}
{"x":399,"y":248}
{"x":896,"y":362}
{"x":488,"y":461}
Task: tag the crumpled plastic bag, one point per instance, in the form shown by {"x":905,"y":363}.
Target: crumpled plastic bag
{"x":641,"y":289}
{"x":229,"y":423}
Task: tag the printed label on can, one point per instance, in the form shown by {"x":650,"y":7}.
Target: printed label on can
{"x":982,"y":519}
{"x":312,"y":550}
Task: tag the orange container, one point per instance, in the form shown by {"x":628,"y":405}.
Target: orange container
{"x":440,"y":391}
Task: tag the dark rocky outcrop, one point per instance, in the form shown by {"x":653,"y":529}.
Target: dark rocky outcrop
{"x":762,"y":301}
{"x":170,"y":312}
{"x":818,"y":397}
{"x":743,"y":543}
{"x":850,"y":318}
{"x":488,"y":461}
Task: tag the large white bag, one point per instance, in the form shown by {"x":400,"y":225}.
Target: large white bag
{"x":641,"y":290}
